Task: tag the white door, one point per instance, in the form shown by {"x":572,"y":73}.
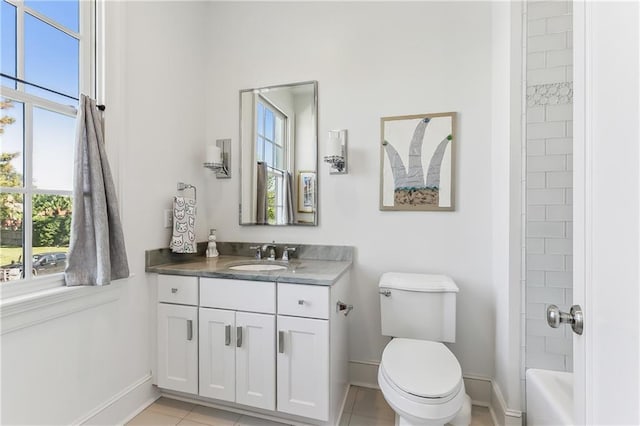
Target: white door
{"x":217,"y":337}
{"x":606,"y":212}
{"x":255,"y":360}
{"x":178,"y":347}
{"x":303,"y":367}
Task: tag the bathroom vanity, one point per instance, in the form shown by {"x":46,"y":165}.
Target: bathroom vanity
{"x":271,"y":343}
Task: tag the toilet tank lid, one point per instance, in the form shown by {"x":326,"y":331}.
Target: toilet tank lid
{"x":418,"y":282}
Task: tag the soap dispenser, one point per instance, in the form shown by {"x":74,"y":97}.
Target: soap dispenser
{"x":212,"y":251}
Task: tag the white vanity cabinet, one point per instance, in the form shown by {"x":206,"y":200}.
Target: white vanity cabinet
{"x":278,"y":347}
{"x":303,"y":350}
{"x":303,"y":367}
{"x":177,"y":326}
{"x":237,"y":347}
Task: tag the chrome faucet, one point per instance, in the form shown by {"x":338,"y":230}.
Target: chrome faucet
{"x":286,"y":251}
{"x":258,"y":250}
{"x":272,"y":250}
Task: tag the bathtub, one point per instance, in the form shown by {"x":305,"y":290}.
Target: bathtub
{"x":549,"y":397}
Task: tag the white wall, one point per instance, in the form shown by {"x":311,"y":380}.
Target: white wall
{"x":506,"y":206}
{"x":61,"y":371}
{"x":372,"y":60}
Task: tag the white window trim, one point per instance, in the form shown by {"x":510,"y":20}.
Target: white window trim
{"x":285,"y":136}
{"x":89,"y":13}
{"x":30,"y":302}
{"x":34,"y":308}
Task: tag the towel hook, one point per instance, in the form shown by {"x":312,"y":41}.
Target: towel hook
{"x":182,"y":186}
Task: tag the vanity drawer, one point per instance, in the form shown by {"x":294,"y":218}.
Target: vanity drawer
{"x":178,"y":289}
{"x":302,"y":300}
{"x":239,"y":295}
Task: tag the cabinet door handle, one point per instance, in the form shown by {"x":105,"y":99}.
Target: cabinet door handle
{"x":281,"y":341}
{"x":227,"y":335}
{"x":239,"y":337}
{"x":174,"y":290}
{"x":189,"y":329}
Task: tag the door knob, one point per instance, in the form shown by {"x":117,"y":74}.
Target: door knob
{"x":555,"y":317}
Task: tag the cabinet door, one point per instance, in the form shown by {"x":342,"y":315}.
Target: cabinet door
{"x":217,"y":354}
{"x":303,"y":367}
{"x":178,"y":347}
{"x":255,"y":360}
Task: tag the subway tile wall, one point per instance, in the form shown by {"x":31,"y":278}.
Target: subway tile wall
{"x":548,"y":176}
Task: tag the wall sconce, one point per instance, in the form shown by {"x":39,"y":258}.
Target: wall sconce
{"x":218,"y":158}
{"x":337,"y":152}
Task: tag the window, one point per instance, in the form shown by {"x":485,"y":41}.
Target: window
{"x":271,"y":149}
{"x":47,"y":60}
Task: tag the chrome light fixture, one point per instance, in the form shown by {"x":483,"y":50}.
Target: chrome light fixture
{"x":218,"y":158}
{"x":337,"y":152}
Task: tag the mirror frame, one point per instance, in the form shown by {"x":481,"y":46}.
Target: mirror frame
{"x":315,"y":134}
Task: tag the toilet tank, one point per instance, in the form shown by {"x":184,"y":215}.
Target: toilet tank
{"x":418,"y":306}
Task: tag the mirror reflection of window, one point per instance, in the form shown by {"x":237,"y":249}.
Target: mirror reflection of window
{"x":278,"y":140}
{"x":271,"y":149}
{"x":270,"y":135}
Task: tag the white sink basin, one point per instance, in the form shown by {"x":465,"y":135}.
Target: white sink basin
{"x":258,"y":267}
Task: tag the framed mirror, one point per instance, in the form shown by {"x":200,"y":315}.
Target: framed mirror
{"x":279,"y":155}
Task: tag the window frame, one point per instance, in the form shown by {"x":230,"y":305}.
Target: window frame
{"x":275,"y":171}
{"x":277,"y":113}
{"x":87,"y":83}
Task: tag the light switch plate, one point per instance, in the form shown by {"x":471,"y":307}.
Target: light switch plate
{"x":168,"y":218}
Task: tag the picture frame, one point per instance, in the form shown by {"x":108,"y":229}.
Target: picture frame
{"x":306,"y":191}
{"x":417,"y":162}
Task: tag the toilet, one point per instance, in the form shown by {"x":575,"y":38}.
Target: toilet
{"x":419,"y":376}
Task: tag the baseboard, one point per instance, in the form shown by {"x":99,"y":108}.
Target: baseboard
{"x":479,"y":390}
{"x":501,"y":415}
{"x":123,"y":406}
{"x":365,"y":374}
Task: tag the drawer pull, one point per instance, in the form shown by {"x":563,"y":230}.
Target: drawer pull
{"x":239,"y":337}
{"x":227,"y":335}
{"x":174,"y":290}
{"x":281,"y":342}
{"x":189,"y":329}
{"x":301,"y":302}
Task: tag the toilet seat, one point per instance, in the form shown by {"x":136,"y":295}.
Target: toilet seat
{"x":422,"y":368}
{"x":422,"y":381}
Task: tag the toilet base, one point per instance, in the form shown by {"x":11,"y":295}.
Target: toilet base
{"x":463,"y":418}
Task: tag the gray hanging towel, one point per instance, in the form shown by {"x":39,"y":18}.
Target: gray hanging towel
{"x":97,"y":253}
{"x":261,"y":193}
{"x":184,"y":223}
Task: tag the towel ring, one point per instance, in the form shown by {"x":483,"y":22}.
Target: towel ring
{"x":182,"y":186}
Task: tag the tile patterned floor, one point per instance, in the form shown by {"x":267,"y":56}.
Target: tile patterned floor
{"x":364,"y":407}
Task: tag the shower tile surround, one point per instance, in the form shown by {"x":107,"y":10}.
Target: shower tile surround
{"x":548,"y":178}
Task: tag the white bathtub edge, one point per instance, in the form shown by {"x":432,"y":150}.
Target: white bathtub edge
{"x":549,"y":397}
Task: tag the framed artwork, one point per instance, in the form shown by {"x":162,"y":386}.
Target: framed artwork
{"x":306,"y":191}
{"x":417,"y":162}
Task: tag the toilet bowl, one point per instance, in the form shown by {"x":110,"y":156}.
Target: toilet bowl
{"x":422,"y":382}
{"x":419,"y":376}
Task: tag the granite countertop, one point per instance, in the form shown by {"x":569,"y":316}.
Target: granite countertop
{"x":301,"y":271}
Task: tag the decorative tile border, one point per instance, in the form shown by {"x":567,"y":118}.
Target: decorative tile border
{"x":550,"y":94}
